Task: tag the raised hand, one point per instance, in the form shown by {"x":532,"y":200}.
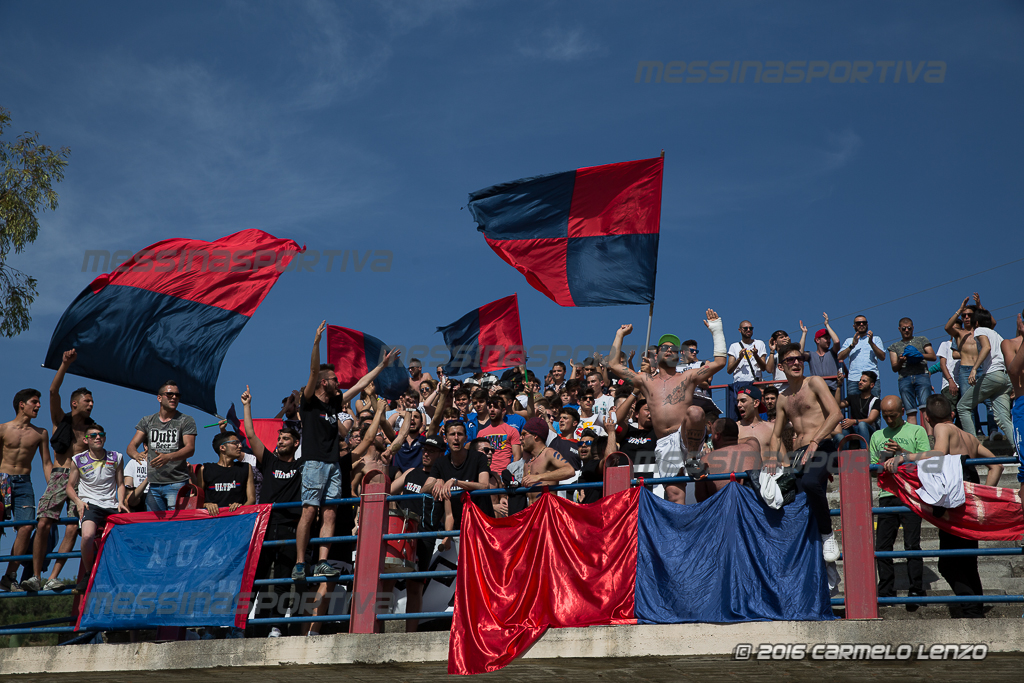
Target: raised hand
{"x":320,"y":332}
{"x":392,"y":355}
{"x":803,"y":328}
{"x":977,"y":299}
{"x":963,"y":306}
{"x":625,"y":330}
{"x":69,"y":357}
{"x":246,"y":396}
{"x":825,"y":316}
{"x":710,"y":315}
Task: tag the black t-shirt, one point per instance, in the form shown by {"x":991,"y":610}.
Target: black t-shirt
{"x":859,"y":407}
{"x":638,"y":444}
{"x":569,"y":450}
{"x":226,"y":485}
{"x":591,"y":472}
{"x":282,"y":483}
{"x":319,"y":430}
{"x":470,"y":470}
{"x":430,"y":511}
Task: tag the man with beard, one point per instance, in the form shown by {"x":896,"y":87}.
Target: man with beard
{"x":669,"y":393}
{"x":748,"y":401}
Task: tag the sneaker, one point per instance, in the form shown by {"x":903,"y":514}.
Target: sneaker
{"x":275,"y":633}
{"x":299,"y":572}
{"x":324,"y":569}
{"x":31,"y":584}
{"x":54,"y":585}
{"x":81,"y":586}
{"x":829,"y":547}
{"x":9,"y":583}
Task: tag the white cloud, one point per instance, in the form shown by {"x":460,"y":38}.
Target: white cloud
{"x":558,"y":45}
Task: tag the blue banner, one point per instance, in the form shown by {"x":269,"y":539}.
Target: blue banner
{"x":184,"y":572}
{"x":729,"y":559}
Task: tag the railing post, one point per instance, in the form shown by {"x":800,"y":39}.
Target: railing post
{"x":861,"y":591}
{"x":619,"y":478}
{"x":373,"y":516}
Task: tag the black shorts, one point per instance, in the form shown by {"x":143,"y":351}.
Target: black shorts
{"x":97,"y":514}
{"x":424,"y":551}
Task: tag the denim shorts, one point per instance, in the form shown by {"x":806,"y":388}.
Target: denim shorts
{"x":914,"y":391}
{"x":320,"y":481}
{"x":23,"y":498}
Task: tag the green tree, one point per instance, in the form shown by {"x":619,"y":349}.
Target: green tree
{"x":28,"y":172}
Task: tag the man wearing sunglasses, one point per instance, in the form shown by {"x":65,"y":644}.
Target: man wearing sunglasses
{"x":669,"y":393}
{"x":747,"y":359}
{"x":169,"y":438}
{"x":909,"y":358}
{"x":865,"y":350}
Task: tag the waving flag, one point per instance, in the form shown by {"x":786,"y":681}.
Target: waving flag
{"x":630,"y":558}
{"x":171,"y":312}
{"x":487,"y":338}
{"x":265,"y":428}
{"x":587,"y":237}
{"x":354,"y":353}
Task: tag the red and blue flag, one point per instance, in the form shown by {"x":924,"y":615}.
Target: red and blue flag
{"x":354,"y":353}
{"x":587,"y":237}
{"x":487,"y":338}
{"x":171,"y":312}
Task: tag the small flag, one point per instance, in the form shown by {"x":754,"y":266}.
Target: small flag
{"x":487,"y":338}
{"x":354,"y":353}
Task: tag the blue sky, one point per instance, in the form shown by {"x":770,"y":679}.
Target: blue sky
{"x":364,"y":126}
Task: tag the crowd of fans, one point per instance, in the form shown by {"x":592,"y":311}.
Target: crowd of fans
{"x":444,"y":436}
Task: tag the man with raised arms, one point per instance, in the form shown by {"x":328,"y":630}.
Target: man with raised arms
{"x":669,"y":393}
{"x":808,"y":403}
{"x":19,"y":441}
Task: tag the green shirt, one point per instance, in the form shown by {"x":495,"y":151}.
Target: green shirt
{"x":910,"y":437}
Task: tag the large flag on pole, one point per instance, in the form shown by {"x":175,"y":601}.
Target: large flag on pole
{"x":487,"y":338}
{"x":354,"y":353}
{"x":587,"y":237}
{"x":171,"y":312}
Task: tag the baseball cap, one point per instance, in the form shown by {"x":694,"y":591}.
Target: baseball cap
{"x":433,"y":442}
{"x":820,"y":333}
{"x":753,"y":392}
{"x":666,"y":338}
{"x":537,"y":427}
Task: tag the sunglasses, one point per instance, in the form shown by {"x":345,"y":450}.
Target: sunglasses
{"x":487,"y":451}
{"x":233,"y":441}
{"x":861,"y":322}
{"x":905,"y":329}
{"x":586,"y":444}
{"x":793,"y":360}
{"x":586,"y":398}
{"x":693,"y":351}
{"x":172,"y":394}
{"x":746,"y":328}
{"x":669,"y":347}
{"x":96,"y":435}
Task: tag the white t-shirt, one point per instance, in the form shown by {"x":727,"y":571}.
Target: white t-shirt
{"x":589,"y":423}
{"x":994,"y":360}
{"x":952,"y":364}
{"x":603,"y":405}
{"x":745,"y":352}
{"x":97,"y":479}
{"x":137,"y":471}
{"x":862,"y":357}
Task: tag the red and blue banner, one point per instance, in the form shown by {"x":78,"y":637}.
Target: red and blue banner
{"x":265,"y":428}
{"x":181,"y":568}
{"x":354,"y":353}
{"x":487,"y":338}
{"x":587,"y":237}
{"x":630,"y":558}
{"x":171,"y":312}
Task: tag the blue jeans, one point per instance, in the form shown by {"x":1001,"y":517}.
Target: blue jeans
{"x":862,"y":428}
{"x":23,"y":498}
{"x":162,"y":497}
{"x":914,"y":391}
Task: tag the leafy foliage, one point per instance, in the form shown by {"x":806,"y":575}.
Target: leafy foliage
{"x":28,"y":171}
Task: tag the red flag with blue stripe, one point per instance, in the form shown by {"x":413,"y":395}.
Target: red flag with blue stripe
{"x":171,"y":312}
{"x":354,"y":353}
{"x":487,"y":338}
{"x":587,"y":237}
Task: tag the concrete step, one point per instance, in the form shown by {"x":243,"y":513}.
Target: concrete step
{"x":992,"y":611}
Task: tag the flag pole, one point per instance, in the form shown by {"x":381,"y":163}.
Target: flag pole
{"x":650,"y":311}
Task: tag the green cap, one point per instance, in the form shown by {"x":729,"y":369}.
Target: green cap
{"x":669,"y":338}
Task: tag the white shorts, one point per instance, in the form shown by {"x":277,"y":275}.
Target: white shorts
{"x":670,"y":453}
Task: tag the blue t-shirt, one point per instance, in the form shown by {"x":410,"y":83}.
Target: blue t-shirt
{"x":862,"y":357}
{"x":516,"y":421}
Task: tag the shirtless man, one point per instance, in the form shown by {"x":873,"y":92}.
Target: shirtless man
{"x":543,"y":464}
{"x":669,"y":393}
{"x":416,"y":374}
{"x":810,"y":406}
{"x":961,"y":572}
{"x":19,"y":440}
{"x":748,"y":401}
{"x":68,"y":441}
{"x":1013,"y":356}
{"x":733,"y":453}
